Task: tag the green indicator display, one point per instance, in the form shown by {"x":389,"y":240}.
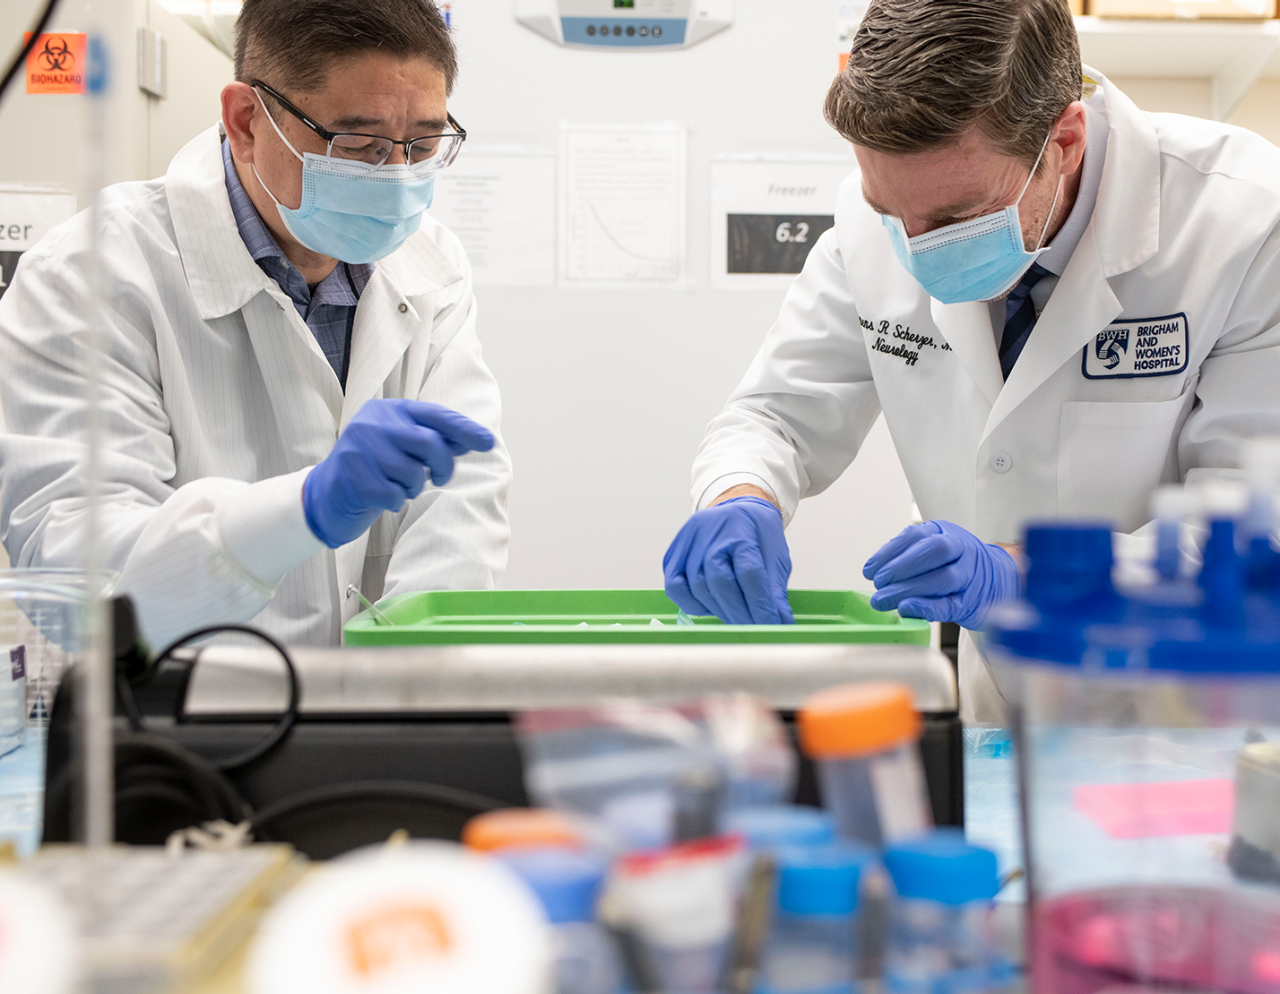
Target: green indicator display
{"x":623,"y":3}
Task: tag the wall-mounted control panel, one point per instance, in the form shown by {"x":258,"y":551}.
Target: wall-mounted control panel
{"x":634,"y":25}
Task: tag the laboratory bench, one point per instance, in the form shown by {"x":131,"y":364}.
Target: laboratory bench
{"x":990,"y":814}
{"x":421,"y":738}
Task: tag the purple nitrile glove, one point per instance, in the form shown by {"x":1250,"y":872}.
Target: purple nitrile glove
{"x":382,"y":460}
{"x":732,"y":561}
{"x":940,"y":572}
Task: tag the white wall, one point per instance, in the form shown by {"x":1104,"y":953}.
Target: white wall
{"x":607,"y":393}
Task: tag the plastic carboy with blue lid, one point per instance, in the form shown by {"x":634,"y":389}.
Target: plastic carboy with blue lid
{"x":812,"y":947}
{"x":942,"y":931}
{"x":1147,"y":721}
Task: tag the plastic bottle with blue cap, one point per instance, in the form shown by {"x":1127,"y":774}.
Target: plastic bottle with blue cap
{"x":1069,"y":586}
{"x":813,"y":944}
{"x":941,"y":924}
{"x":1262,"y":469}
{"x":568,"y":885}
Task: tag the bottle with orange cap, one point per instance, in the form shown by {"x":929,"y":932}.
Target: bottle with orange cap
{"x":864,"y":739}
{"x":522,"y":828}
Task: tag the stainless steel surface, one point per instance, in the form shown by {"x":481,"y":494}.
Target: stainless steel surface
{"x":236,"y":680}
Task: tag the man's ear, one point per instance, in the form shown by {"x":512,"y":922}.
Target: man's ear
{"x":239,"y":105}
{"x":1069,"y":134}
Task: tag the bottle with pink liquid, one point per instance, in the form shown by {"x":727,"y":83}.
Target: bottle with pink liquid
{"x":1142,"y":720}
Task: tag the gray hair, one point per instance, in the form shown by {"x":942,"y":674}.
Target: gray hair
{"x":923,"y":72}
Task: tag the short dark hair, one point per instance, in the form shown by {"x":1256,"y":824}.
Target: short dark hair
{"x":292,"y":44}
{"x":923,"y":72}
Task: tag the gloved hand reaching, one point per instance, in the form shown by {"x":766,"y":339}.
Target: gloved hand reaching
{"x":381,"y":461}
{"x":731,"y":560}
{"x":940,"y":572}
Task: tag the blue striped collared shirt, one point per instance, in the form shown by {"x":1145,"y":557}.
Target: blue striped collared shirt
{"x":330,"y":309}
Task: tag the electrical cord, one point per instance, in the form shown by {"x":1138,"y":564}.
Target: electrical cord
{"x":45,"y":17}
{"x":155,"y":777}
{"x":162,"y":786}
{"x":269,"y":744}
{"x":372,"y":790}
{"x":152,"y":767}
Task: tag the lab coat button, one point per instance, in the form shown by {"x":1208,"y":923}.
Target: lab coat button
{"x":1001,"y":462}
{"x":403,"y":308}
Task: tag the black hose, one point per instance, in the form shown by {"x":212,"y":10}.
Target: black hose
{"x":409,"y":791}
{"x":162,"y":786}
{"x":45,"y":17}
{"x":151,"y":771}
{"x":273,"y":740}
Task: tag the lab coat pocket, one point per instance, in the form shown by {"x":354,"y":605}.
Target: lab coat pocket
{"x":1112,"y":455}
{"x":377,"y":556}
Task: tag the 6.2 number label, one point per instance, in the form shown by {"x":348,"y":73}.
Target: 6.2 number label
{"x":772,"y":243}
{"x":785,"y":232}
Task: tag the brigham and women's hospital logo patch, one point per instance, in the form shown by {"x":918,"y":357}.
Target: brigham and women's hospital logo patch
{"x":1138,"y":347}
{"x":1111,"y":346}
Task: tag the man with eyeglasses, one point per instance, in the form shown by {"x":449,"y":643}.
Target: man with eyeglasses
{"x":294,"y":398}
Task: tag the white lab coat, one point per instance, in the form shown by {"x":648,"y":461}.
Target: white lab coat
{"x":1184,"y":230}
{"x":218,"y":401}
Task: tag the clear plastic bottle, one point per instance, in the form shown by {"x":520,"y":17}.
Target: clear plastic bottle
{"x":680,"y":904}
{"x":813,"y":943}
{"x":13,"y":697}
{"x":942,"y":935}
{"x":864,"y":738}
{"x":568,"y":885}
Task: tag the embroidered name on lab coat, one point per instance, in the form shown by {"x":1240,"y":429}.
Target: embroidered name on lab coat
{"x":1141,"y":347}
{"x":899,"y":340}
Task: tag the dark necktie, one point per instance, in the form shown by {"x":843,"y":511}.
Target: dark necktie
{"x":1019,"y":317}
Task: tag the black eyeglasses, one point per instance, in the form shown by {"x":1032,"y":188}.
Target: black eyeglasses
{"x":430,"y":151}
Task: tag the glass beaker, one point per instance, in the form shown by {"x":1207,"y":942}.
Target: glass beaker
{"x":42,"y":619}
{"x":1129,"y":723}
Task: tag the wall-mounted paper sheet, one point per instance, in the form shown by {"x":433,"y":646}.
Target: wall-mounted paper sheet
{"x":501,"y":203}
{"x":622,"y":204}
{"x":767,"y":213}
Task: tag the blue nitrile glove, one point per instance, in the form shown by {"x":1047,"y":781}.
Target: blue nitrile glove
{"x":940,"y":572}
{"x":382,"y":460}
{"x":731,"y":560}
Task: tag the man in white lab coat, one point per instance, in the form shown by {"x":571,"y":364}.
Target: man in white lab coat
{"x":1059,"y":303}
{"x":291,"y":366}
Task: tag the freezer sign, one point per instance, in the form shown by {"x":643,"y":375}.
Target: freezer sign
{"x":773,"y":243}
{"x":8,"y":264}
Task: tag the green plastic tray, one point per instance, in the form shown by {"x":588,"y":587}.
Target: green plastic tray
{"x":528,"y":617}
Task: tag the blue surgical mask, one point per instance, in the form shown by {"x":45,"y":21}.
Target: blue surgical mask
{"x":352,"y":211}
{"x":979,"y":259}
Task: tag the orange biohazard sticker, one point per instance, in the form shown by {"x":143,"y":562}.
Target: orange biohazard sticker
{"x":56,"y":63}
{"x":396,"y":936}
